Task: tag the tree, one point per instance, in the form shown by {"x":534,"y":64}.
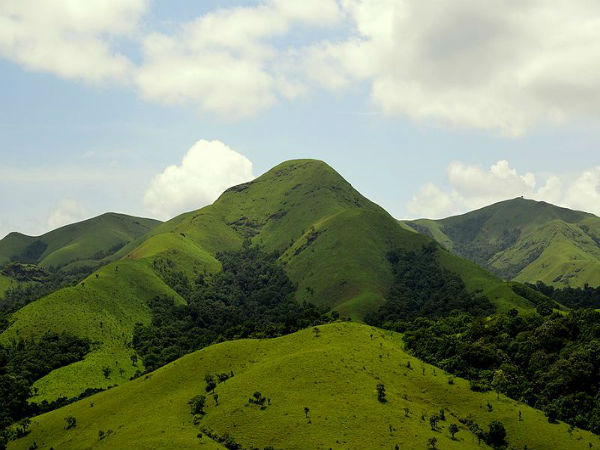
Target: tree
{"x":197,"y":404}
{"x":453,"y":429}
{"x":106,"y":371}
{"x":499,"y":382}
{"x":306,"y":411}
{"x":210,"y":383}
{"x":71,"y":422}
{"x":216,"y":398}
{"x":432,"y":443}
{"x":381,"y":393}
{"x":496,"y":436}
{"x":433,"y":421}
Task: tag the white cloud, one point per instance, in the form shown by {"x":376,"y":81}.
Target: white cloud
{"x":494,"y":65}
{"x":208,"y":168}
{"x":69,"y":38}
{"x":497,"y":64}
{"x":471,"y":187}
{"x":67,"y":211}
{"x":225,"y":61}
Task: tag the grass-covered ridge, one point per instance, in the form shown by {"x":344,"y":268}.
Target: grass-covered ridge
{"x":83,"y":243}
{"x":524,"y":240}
{"x":332,"y":241}
{"x":333,"y":372}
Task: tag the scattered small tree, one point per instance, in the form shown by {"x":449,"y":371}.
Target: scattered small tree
{"x":406,"y":412}
{"x":496,"y":436}
{"x":499,"y":382}
{"x":306,"y":411}
{"x":197,"y":404}
{"x":433,"y":421}
{"x":106,"y":371}
{"x":210,"y":383}
{"x":432,"y":443}
{"x":71,"y":422}
{"x":381,"y":393}
{"x":216,"y":399}
{"x":453,"y":429}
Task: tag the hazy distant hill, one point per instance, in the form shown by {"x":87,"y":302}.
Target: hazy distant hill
{"x":87,"y":242}
{"x":524,"y":240}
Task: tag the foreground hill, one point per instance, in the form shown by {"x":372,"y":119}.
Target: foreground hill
{"x":332,"y":242}
{"x":524,"y":240}
{"x":83,"y":243}
{"x":333,"y":371}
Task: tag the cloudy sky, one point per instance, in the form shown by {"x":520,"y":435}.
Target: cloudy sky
{"x":430,"y":108}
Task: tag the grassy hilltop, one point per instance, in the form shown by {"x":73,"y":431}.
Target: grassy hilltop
{"x":333,"y":244}
{"x":333,"y":372}
{"x":88,"y":242}
{"x":524,"y":240}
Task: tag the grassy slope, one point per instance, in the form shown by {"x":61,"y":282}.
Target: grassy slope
{"x":104,"y":309}
{"x":79,"y":242}
{"x":334,"y":374}
{"x":556,"y":245}
{"x":332,"y":241}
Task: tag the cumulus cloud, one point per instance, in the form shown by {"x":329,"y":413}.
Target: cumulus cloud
{"x":70,"y":38}
{"x":208,"y":168}
{"x":225,"y":61}
{"x":497,"y":64}
{"x":67,"y":211}
{"x":494,"y":65}
{"x":470,"y":187}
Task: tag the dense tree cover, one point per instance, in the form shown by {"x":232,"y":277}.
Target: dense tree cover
{"x":25,"y":361}
{"x":586,"y":297}
{"x":251,"y":297}
{"x":550,"y":362}
{"x":422,"y":287}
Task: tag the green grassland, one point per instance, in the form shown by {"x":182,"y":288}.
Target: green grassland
{"x":334,"y":373}
{"x":103,"y":308}
{"x":88,"y":242}
{"x":332,"y":241}
{"x":524,"y":240}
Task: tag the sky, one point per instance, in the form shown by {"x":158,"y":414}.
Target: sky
{"x":429,"y":108}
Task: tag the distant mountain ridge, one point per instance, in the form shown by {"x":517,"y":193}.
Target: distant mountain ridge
{"x":524,"y":240}
{"x":86,"y":242}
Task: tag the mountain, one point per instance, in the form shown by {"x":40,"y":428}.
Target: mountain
{"x":83,"y":243}
{"x":524,"y":240}
{"x":332,"y":242}
{"x":332,"y":370}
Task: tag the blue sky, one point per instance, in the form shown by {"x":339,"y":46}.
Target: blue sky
{"x":426,"y":112}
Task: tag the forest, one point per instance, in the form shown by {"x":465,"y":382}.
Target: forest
{"x":251,"y":297}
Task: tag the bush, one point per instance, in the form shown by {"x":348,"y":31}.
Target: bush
{"x":496,"y":436}
{"x":197,"y":404}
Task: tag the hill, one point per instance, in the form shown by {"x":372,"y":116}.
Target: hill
{"x":332,"y":242}
{"x":84,"y":243}
{"x":333,"y":371}
{"x":524,"y":240}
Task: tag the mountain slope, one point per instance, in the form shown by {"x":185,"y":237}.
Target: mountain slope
{"x":82,"y":243}
{"x":332,"y":242}
{"x":332,"y":371}
{"x":524,"y":240}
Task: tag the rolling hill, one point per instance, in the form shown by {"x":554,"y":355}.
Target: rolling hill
{"x":333,"y":371}
{"x":332,"y":242}
{"x":524,"y":240}
{"x":83,"y":243}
